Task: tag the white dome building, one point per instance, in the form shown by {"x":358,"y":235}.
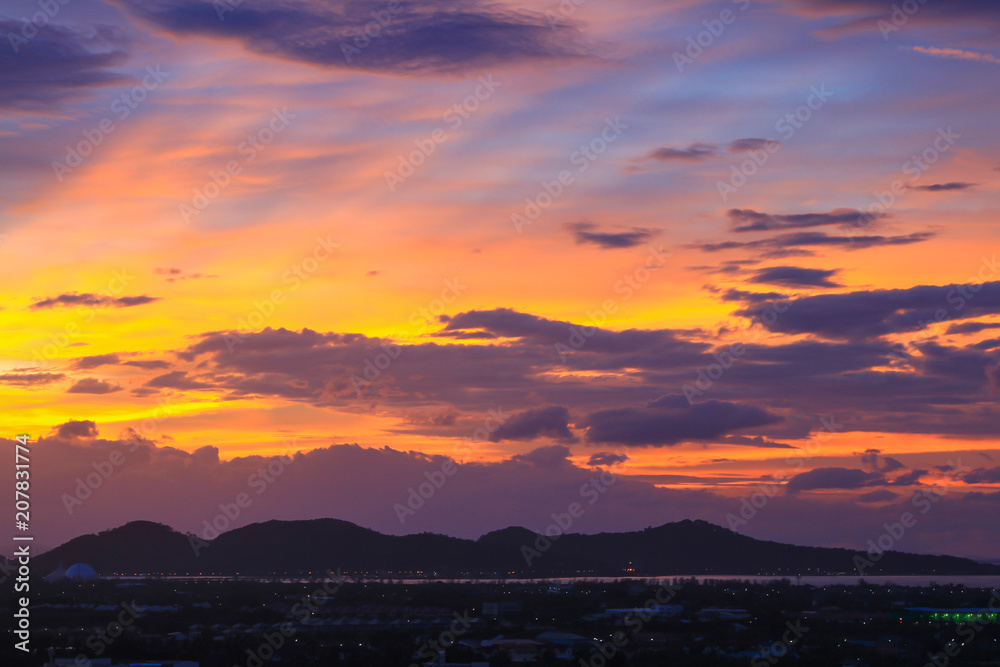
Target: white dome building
{"x":81,"y":572}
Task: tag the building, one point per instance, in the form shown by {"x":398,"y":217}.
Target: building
{"x":930,"y":615}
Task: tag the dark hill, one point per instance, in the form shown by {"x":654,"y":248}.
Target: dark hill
{"x":318,"y":545}
{"x":139,"y":546}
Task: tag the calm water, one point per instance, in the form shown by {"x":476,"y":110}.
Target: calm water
{"x":988,"y":581}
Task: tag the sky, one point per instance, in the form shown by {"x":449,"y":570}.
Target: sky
{"x":450,"y":267}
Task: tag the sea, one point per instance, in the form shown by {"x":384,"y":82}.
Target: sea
{"x":970,"y":581}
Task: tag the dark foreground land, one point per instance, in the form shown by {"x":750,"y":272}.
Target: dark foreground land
{"x":666,"y":622}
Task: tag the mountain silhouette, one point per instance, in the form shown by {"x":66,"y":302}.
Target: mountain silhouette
{"x":319,"y":545}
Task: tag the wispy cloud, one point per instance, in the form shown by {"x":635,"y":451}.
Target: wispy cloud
{"x":73,"y":299}
{"x":957,"y":54}
{"x":586,"y":232}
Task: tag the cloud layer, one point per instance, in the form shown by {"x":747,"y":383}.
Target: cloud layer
{"x":427,"y":37}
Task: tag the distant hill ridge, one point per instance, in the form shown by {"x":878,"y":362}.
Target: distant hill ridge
{"x":317,"y":545}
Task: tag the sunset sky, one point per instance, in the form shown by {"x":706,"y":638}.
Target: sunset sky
{"x":704,"y":245}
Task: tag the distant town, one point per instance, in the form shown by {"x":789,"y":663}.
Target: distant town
{"x":82,"y":620}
